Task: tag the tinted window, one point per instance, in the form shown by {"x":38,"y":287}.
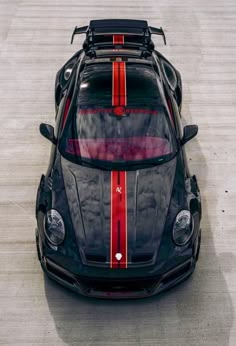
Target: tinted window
{"x":135,"y":134}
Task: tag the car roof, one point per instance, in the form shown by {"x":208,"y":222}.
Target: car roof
{"x":143,"y":86}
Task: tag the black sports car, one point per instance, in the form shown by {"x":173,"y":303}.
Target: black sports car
{"x":118,"y":212}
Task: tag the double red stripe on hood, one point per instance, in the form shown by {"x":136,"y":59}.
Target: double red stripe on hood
{"x":118,"y":240}
{"x":119,"y":95}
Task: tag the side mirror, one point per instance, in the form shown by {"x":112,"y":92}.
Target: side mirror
{"x":190,"y":131}
{"x":47,"y":131}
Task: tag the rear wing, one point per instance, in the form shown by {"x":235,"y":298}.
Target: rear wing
{"x":79,"y":31}
{"x":134,"y":33}
{"x":157,"y":31}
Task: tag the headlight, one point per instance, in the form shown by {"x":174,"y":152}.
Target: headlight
{"x":54,"y":228}
{"x":183,"y":228}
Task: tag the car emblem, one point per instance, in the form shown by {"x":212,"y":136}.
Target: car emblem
{"x":119,"y":189}
{"x":118,"y":256}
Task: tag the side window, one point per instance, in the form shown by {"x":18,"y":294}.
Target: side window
{"x":171,"y":111}
{"x":170,"y":107}
{"x":66,"y":74}
{"x":64,"y":77}
{"x":156,"y":65}
{"x":170,"y":75}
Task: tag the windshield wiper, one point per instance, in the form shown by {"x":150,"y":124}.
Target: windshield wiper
{"x":151,"y":162}
{"x":95,"y":165}
{"x":123,"y":165}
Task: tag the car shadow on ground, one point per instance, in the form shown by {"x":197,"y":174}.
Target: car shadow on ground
{"x":197,"y":312}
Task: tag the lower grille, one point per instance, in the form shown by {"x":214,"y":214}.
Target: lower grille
{"x":118,"y":285}
{"x":136,"y":259}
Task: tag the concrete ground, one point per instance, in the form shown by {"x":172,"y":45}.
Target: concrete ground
{"x":34,"y":42}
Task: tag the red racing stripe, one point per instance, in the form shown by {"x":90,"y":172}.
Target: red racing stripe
{"x":119,"y":94}
{"x":118,"y":39}
{"x":118,"y":241}
{"x":115,"y":83}
{"x":123,"y":97}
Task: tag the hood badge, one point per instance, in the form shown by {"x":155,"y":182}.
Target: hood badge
{"x":119,"y":189}
{"x":118,"y":256}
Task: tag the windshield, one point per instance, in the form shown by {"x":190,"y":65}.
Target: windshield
{"x":118,"y":135}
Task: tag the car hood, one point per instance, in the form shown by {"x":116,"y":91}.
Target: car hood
{"x":89,"y":195}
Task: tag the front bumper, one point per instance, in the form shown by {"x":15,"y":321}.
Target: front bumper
{"x":119,"y":283}
{"x":118,"y":288}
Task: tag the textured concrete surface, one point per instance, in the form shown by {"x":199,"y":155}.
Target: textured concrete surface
{"x":34,"y":42}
